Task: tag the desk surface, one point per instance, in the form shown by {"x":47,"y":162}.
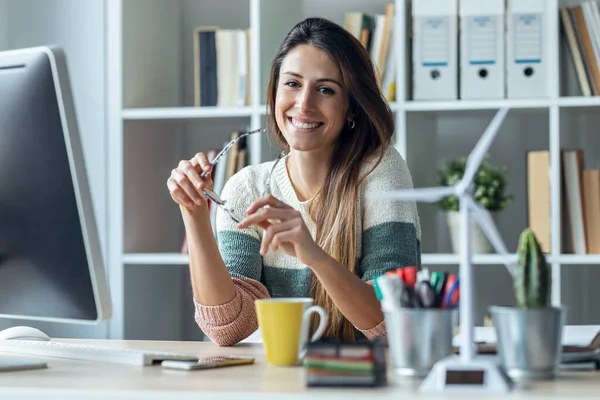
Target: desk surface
{"x":87,"y":380}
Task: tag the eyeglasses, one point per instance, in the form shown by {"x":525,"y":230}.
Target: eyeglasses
{"x":216,"y":198}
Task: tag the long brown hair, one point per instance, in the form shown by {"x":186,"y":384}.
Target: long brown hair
{"x":334,"y":208}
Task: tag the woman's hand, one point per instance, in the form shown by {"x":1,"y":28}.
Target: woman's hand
{"x":284,"y":229}
{"x":185,"y":184}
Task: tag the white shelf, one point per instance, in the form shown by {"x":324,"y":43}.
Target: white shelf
{"x":162,"y":113}
{"x":156,"y":259}
{"x":186,"y":112}
{"x":479,"y":259}
{"x":461,"y":105}
{"x":577,"y":259}
{"x":579,"y":101}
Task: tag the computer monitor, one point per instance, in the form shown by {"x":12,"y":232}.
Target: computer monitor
{"x":51,"y":266}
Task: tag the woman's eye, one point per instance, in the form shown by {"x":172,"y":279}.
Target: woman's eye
{"x":291,"y":84}
{"x":326,"y":90}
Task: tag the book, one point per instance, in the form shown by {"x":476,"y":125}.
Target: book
{"x":221,"y":67}
{"x":205,"y":66}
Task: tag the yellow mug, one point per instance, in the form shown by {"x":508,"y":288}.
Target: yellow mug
{"x":284,"y":324}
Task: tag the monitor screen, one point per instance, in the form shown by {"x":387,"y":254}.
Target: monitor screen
{"x":51,"y":267}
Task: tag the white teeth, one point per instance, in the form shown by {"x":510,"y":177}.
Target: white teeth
{"x":302,"y":125}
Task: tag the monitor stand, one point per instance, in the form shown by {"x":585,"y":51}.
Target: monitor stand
{"x":18,"y":364}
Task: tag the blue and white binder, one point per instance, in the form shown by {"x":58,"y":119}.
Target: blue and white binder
{"x":482,"y":49}
{"x":526,"y":49}
{"x":435,"y":42}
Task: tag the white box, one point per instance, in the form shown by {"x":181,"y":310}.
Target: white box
{"x":435,"y":58}
{"x":482,"y":62}
{"x":526,"y":49}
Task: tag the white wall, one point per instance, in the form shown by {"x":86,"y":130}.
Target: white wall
{"x":77,"y":26}
{"x":3,"y":24}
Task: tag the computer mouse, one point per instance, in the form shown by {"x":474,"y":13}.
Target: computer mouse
{"x":23,"y":333}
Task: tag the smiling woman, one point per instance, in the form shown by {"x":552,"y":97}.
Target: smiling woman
{"x":311,"y":107}
{"x":314,"y":235}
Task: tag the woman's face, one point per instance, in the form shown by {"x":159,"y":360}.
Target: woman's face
{"x":311,"y":103}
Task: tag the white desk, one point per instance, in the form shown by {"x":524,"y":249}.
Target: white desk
{"x":67,"y":379}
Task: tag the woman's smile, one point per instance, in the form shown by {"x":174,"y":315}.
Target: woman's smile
{"x":304,"y":125}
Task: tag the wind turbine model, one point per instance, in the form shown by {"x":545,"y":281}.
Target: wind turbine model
{"x":465,"y":373}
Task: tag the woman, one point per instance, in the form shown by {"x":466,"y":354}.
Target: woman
{"x":315,"y":234}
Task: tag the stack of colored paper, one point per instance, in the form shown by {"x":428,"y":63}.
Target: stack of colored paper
{"x":331,"y":363}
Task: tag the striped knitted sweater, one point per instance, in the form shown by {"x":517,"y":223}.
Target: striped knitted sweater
{"x":390,"y":239}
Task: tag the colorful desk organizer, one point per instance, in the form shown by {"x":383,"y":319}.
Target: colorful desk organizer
{"x":331,"y":362}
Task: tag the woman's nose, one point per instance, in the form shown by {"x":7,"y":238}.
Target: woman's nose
{"x":304,"y":101}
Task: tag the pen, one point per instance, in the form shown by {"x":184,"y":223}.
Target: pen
{"x":438,"y":285}
{"x":390,"y":291}
{"x":451,"y":292}
{"x":423,"y":275}
{"x":424,"y":294}
{"x":409,"y":276}
{"x":411,"y":288}
{"x":377,"y":289}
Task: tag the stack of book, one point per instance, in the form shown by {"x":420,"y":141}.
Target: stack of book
{"x":581,"y":30}
{"x":221,"y":67}
{"x":375,"y":32}
{"x":580,"y":204}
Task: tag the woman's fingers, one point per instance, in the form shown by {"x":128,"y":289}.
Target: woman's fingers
{"x":268,"y":200}
{"x":201,"y":160}
{"x":287,"y":236}
{"x":179,"y":195}
{"x":191,"y":170}
{"x":274,"y":231}
{"x":186,"y":184}
{"x":268,"y":213}
{"x":187,"y":187}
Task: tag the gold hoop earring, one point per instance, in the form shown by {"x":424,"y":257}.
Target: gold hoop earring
{"x":351,"y":124}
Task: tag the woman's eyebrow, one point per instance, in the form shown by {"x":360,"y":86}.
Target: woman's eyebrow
{"x":318,"y":80}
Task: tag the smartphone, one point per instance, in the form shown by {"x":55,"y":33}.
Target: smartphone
{"x":207,"y":362}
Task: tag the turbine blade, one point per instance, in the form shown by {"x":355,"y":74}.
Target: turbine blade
{"x":488,"y":226}
{"x":428,"y":195}
{"x":478,"y":153}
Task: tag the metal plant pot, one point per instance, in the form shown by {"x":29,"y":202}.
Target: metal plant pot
{"x":418,"y":338}
{"x":529,"y":341}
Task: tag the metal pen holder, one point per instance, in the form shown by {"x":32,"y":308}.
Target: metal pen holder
{"x":419,"y":337}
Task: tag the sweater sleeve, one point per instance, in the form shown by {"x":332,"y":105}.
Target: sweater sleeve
{"x":229,"y":323}
{"x":391,"y":233}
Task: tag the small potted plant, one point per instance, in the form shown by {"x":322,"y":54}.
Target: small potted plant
{"x":529,"y":335}
{"x":489,"y":191}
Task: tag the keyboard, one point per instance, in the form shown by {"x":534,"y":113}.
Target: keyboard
{"x":84,"y":352}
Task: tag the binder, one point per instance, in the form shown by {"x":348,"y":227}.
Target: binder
{"x":435,"y":42}
{"x":482,"y":49}
{"x":526,"y":48}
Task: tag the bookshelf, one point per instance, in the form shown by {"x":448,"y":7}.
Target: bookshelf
{"x":153,"y":124}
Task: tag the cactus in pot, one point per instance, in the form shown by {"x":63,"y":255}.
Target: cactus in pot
{"x":532,"y":277}
{"x":529,"y":335}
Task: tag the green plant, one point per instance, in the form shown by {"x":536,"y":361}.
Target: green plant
{"x":533,"y":277}
{"x":489,"y":184}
